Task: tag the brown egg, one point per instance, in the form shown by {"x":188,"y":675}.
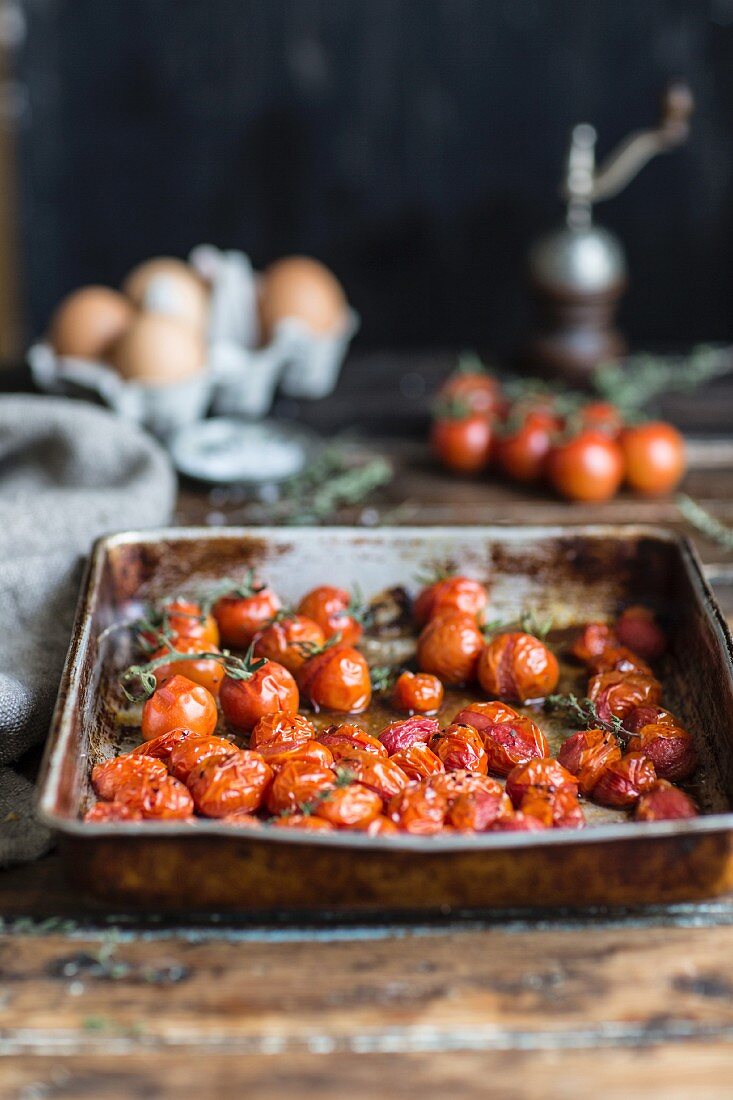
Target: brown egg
{"x":157,"y":350}
{"x":88,"y":321}
{"x":302,"y":288}
{"x":170,"y":286}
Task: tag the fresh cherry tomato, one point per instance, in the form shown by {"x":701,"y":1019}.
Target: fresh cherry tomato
{"x":622,"y":782}
{"x":547,"y":775}
{"x":380,"y":775}
{"x":417,"y":761}
{"x":618,"y":659}
{"x":299,"y":784}
{"x":344,"y":739}
{"x":354,"y":806}
{"x":193,"y":753}
{"x":592,"y":640}
{"x":525,"y":442}
{"x":603,"y":416}
{"x":178,"y":619}
{"x":336,"y":679}
{"x":418,"y":809}
{"x":418,"y":693}
{"x":615,"y":694}
{"x":463,"y":444}
{"x":179,"y":703}
{"x":259,"y":688}
{"x":335,"y":611}
{"x":587,"y":754}
{"x":460,"y":748}
{"x":404,"y":732}
{"x":279,"y":726}
{"x":638,"y":629}
{"x":235,"y":784}
{"x":288,"y":638}
{"x":449,"y":647}
{"x":279,"y":753}
{"x":654,"y":455}
{"x":110,"y":775}
{"x":517,"y":666}
{"x":205,"y":671}
{"x":670,"y":749}
{"x":664,"y":803}
{"x":448,"y":595}
{"x":508,"y":738}
{"x":243,"y":612}
{"x":476,"y":811}
{"x":587,"y":467}
{"x":102,"y":812}
{"x":475,"y":389}
{"x":160,"y":798}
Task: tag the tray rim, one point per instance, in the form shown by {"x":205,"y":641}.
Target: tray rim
{"x":60,"y":731}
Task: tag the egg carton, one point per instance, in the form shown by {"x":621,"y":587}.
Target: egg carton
{"x":240,"y":378}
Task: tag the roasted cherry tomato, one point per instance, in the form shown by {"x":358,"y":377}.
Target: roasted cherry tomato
{"x":670,"y":749}
{"x":475,"y":388}
{"x":380,"y":775}
{"x":178,"y":619}
{"x":524,"y":443}
{"x":162,"y":797}
{"x":622,"y":782}
{"x":279,"y":753}
{"x":664,"y":803}
{"x":193,"y":753}
{"x":354,"y":806}
{"x":299,"y":785}
{"x":288,"y":639}
{"x":518,"y":823}
{"x":408,"y":731}
{"x":603,"y":416}
{"x":453,"y":784}
{"x":207,"y":672}
{"x":588,"y":467}
{"x":587,"y":754}
{"x":462,"y":443}
{"x":336,"y":679}
{"x":476,"y":811}
{"x":418,"y":809}
{"x":235,"y":784}
{"x":448,"y":595}
{"x":242,"y":820}
{"x":260,"y":688}
{"x":449,"y":647}
{"x":418,"y":693}
{"x":279,"y":726}
{"x":109,"y":776}
{"x":638,"y":629}
{"x":381,"y":826}
{"x":618,"y":693}
{"x":102,"y":812}
{"x":555,"y":809}
{"x":618,"y":659}
{"x":547,"y":775}
{"x":654,"y":455}
{"x":163,"y":746}
{"x":648,"y":715}
{"x":179,"y":703}
{"x":303,"y":821}
{"x":460,"y":748}
{"x":510,"y":741}
{"x":417,"y":761}
{"x":517,"y":666}
{"x":244,"y":611}
{"x":592,"y":640}
{"x":335,"y":611}
{"x":346,"y":738}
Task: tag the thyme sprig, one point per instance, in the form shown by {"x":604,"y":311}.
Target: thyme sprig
{"x":631,"y":385}
{"x":699,"y":518}
{"x":344,"y":776}
{"x":383,"y":678}
{"x":585,"y":713}
{"x":528,"y":622}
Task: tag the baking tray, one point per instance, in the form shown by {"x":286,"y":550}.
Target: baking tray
{"x":571,"y":573}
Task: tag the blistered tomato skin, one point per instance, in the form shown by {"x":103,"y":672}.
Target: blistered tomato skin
{"x":618,"y":659}
{"x":177,"y":703}
{"x":453,"y":784}
{"x":299,"y":784}
{"x":404,"y":732}
{"x":624,"y":781}
{"x":162,"y":747}
{"x":195,"y":752}
{"x":648,"y":715}
{"x":240,"y":617}
{"x":380,"y":826}
{"x":102,"y":812}
{"x":548,"y":775}
{"x":111,"y":775}
{"x":164,"y":798}
{"x":476,"y":811}
{"x":448,"y":596}
{"x":245,"y":701}
{"x":518,"y":823}
{"x":592,"y":640}
{"x":418,"y":693}
{"x":236,"y":784}
{"x":517,"y":667}
{"x":383,"y":776}
{"x":337,"y":680}
{"x":334,"y":612}
{"x":417,"y":761}
{"x":279,"y":753}
{"x":418,"y":809}
{"x":508,"y":738}
{"x":345,"y":738}
{"x":638,"y":629}
{"x":354,"y":806}
{"x":449,"y":647}
{"x":460,"y":748}
{"x":279,"y":726}
{"x":287,"y":640}
{"x":663,"y":802}
{"x":587,"y":754}
{"x":558,"y":810}
{"x":670,"y":749}
{"x":616,"y":694}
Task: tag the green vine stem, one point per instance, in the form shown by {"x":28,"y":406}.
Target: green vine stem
{"x":237,"y":668}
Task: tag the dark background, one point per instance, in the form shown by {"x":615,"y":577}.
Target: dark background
{"x":413,"y":145}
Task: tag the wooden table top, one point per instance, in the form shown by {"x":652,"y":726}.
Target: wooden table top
{"x":506,"y":1005}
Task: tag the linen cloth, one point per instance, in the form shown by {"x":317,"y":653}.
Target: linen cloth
{"x":69,"y":472}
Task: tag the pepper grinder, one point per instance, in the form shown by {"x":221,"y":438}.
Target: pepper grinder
{"x":578,"y":273}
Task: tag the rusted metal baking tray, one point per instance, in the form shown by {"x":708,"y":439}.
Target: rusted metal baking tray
{"x":571,"y":573}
